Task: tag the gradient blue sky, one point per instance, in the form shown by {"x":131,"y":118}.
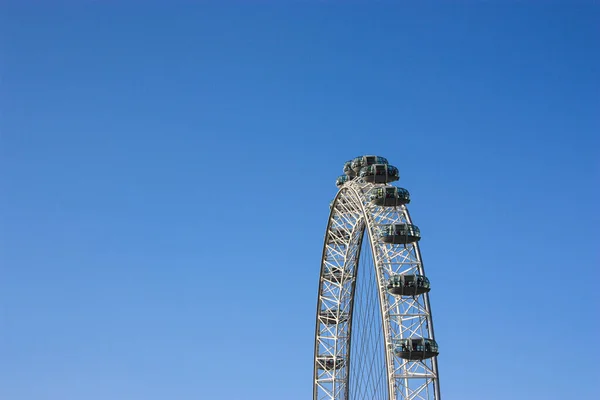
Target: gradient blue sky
{"x":166,"y":172}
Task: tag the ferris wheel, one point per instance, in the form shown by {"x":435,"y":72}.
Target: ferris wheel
{"x":374,"y":332}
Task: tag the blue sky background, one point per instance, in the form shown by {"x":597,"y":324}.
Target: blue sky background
{"x":166,"y":172}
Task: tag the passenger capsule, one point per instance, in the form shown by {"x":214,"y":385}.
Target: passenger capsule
{"x":339,"y":182}
{"x":363,"y":161}
{"x":335,"y":274}
{"x":379,"y":173}
{"x":338,"y":236}
{"x":348,"y":169}
{"x":390,"y":196}
{"x":408,"y":285}
{"x":416,"y":348}
{"x":400,"y":233}
{"x":333,"y":316}
{"x":328,"y":363}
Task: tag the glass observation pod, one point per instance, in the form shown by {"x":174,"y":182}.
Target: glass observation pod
{"x":335,"y":274}
{"x":416,"y":348}
{"x":408,"y":285}
{"x":348,"y":169}
{"x":330,"y":362}
{"x":390,"y":196}
{"x":338,"y":236}
{"x":333,"y":316}
{"x":379,"y":173}
{"x":364,"y":161}
{"x":339,"y":182}
{"x":399,"y":233}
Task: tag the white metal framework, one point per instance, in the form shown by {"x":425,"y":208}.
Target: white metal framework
{"x":337,"y":373}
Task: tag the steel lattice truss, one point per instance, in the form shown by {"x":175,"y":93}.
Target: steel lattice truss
{"x":353,"y":215}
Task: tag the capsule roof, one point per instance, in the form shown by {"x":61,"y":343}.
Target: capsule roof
{"x":363,"y":161}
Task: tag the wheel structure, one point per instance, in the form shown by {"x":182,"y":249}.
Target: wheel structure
{"x":374,"y":333}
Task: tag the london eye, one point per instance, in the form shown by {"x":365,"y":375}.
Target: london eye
{"x":374,"y":334}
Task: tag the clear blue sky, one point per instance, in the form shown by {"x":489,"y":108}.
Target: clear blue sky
{"x":166,"y":172}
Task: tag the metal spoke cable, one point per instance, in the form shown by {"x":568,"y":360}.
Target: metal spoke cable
{"x":367,"y":354}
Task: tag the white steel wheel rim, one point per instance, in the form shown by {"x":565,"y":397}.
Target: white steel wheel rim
{"x":402,"y":317}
